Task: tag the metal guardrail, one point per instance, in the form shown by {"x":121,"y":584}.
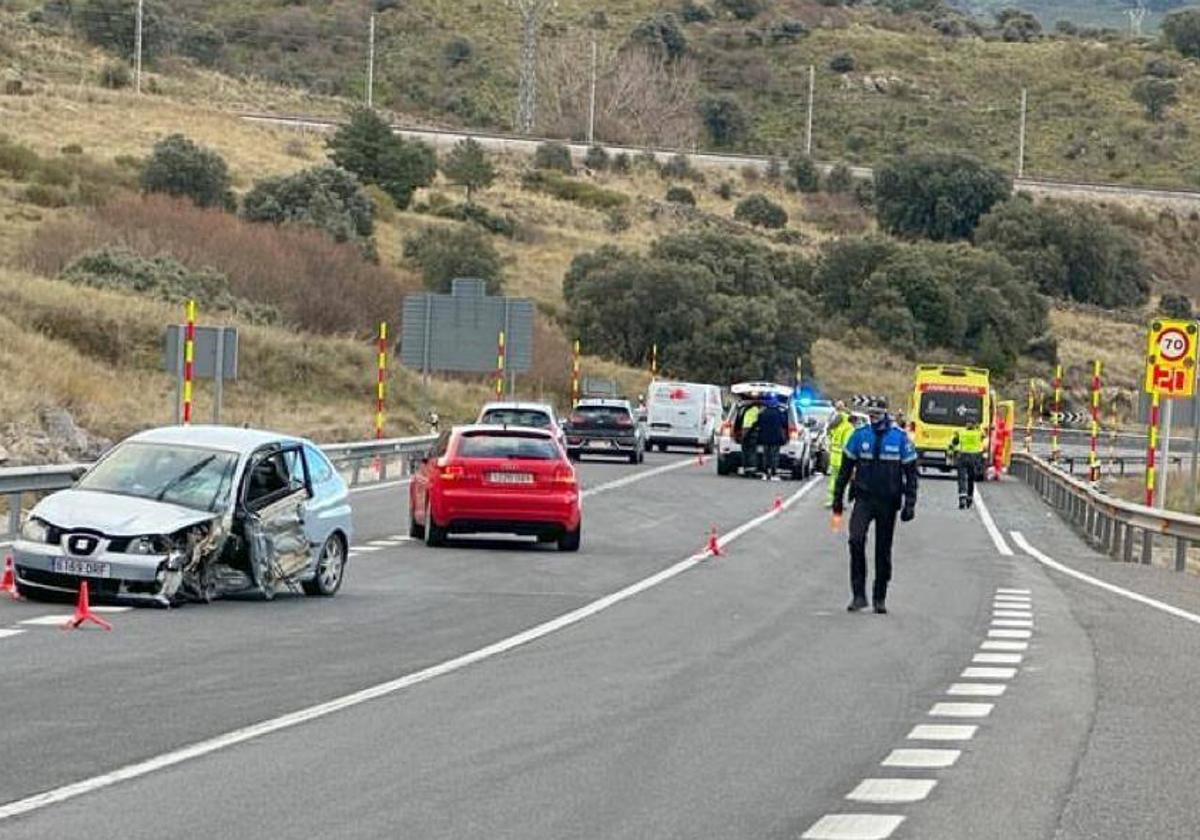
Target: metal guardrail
{"x":373,"y":458}
{"x":1111,"y":465}
{"x":1118,"y":527}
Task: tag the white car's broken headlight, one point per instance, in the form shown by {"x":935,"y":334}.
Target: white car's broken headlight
{"x":35,"y":530}
{"x":146,"y":545}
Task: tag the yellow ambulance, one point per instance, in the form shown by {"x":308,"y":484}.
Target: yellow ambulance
{"x":947,"y":398}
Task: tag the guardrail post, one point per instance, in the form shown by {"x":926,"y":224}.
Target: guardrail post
{"x":1106,"y":533}
{"x":1181,"y":552}
{"x":1147,"y":557}
{"x":354,"y":473}
{"x":1127,"y":554}
{"x":14,"y":514}
{"x":1121,"y":534}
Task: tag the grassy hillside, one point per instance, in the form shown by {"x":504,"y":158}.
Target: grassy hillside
{"x":908,"y":85}
{"x":1098,"y":13}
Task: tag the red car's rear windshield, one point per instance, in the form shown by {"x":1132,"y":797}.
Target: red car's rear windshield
{"x":506,"y":445}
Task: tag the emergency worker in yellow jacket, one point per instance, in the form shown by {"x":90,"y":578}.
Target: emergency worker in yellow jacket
{"x":966,"y":452}
{"x":840,"y":429}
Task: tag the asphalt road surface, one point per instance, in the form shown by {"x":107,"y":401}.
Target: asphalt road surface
{"x":639,"y":689}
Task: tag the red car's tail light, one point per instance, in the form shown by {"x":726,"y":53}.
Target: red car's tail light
{"x":564,"y":476}
{"x":453,"y":472}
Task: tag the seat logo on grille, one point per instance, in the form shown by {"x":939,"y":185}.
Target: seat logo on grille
{"x":82,"y":545}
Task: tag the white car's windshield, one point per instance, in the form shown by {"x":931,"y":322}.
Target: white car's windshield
{"x":185,"y":476}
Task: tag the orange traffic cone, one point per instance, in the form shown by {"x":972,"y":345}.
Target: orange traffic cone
{"x":778,"y":506}
{"x":8,"y":584}
{"x":714,"y":545}
{"x":83,"y":612}
{"x":700,"y":459}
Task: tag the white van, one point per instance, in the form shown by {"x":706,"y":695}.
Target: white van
{"x":683,"y":414}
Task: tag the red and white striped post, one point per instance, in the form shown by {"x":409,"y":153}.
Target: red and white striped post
{"x":575,"y":375}
{"x":189,"y":357}
{"x":381,"y":380}
{"x":1152,"y":449}
{"x":1094,"y":453}
{"x":500,"y":354}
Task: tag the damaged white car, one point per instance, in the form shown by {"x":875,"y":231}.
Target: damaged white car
{"x":190,"y":514}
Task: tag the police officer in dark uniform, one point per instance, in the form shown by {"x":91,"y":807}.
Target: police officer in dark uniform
{"x":880,"y":465}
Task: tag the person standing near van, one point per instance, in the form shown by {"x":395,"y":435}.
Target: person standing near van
{"x":772,"y":428}
{"x":750,"y":438}
{"x":840,"y":430}
{"x":881,"y":461}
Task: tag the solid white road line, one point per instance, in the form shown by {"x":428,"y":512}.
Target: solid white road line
{"x":5,"y":634}
{"x":388,"y":543}
{"x":891,"y":791}
{"x":1012,"y":622}
{"x":853,"y":827}
{"x":976,"y":689}
{"x":988,"y":673}
{"x":943,"y":732}
{"x":961,"y":710}
{"x":1003,"y":590}
{"x":1024,"y":545}
{"x":635,"y":478}
{"x":993,"y":644}
{"x":1004,"y":633}
{"x":111,"y":610}
{"x":357,"y":698}
{"x":997,"y":658}
{"x":47,"y":620}
{"x":990,"y":524}
{"x":921,"y":758}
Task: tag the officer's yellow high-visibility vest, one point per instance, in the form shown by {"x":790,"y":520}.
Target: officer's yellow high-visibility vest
{"x":970,"y":442}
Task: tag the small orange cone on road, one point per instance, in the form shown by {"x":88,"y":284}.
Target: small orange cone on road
{"x":8,"y":584}
{"x":700,"y":459}
{"x":714,"y":545}
{"x":83,"y":612}
{"x":778,"y":506}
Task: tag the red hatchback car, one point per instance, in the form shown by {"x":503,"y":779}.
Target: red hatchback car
{"x":493,"y":480}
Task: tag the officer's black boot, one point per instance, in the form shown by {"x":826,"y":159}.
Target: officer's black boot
{"x":881,"y":606}
{"x":859,"y":603}
{"x":879,"y":598}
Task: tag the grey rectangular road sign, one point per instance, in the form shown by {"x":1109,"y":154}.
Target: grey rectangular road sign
{"x":205,"y":353}
{"x":459,"y":331}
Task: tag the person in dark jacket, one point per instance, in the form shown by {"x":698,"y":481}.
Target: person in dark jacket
{"x":880,"y":464}
{"x":772,"y":434}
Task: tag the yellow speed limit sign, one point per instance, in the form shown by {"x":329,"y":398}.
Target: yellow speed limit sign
{"x":1171,"y":358}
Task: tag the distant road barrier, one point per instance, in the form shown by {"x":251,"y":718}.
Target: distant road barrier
{"x":1122,"y":529}
{"x":362,"y":463}
{"x":527,"y":143}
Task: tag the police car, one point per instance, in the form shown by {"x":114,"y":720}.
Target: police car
{"x":795,"y":457}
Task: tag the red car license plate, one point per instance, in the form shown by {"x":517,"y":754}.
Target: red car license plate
{"x":510,"y":478}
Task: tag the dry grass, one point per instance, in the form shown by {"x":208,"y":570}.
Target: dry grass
{"x":854,"y":367}
{"x":98,"y":355}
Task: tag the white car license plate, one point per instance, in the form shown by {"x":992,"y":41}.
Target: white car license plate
{"x":83,"y":568}
{"x":510,"y":478}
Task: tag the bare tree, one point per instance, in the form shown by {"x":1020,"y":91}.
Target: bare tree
{"x":531,"y":12}
{"x":642,"y":98}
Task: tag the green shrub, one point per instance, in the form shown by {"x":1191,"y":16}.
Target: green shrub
{"x":444,"y":254}
{"x":115,"y":75}
{"x":72,"y":149}
{"x":681,"y":195}
{"x":617,"y":221}
{"x":803,"y":175}
{"x":938,"y":196}
{"x":179,"y":167}
{"x":1175,"y":306}
{"x":111,"y":24}
{"x":570,"y":189}
{"x":692,"y":12}
{"x":663,"y":34}
{"x":381,"y":203}
{"x":843,"y":62}
{"x":553,"y":156}
{"x":1182,"y":31}
{"x":725,"y":190}
{"x":743,"y":9}
{"x":55,"y":173}
{"x":621,"y":163}
{"x":596,"y":159}
{"x":367,"y":147}
{"x":760,"y":211}
{"x":17,"y":160}
{"x":326,"y":198}
{"x":163,"y":278}
{"x":473,"y":213}
{"x":839,"y":180}
{"x":677,"y":167}
{"x":45,"y":195}
{"x":725,"y":120}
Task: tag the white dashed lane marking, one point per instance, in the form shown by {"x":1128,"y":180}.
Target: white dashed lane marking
{"x":976,"y":689}
{"x":1012,"y":622}
{"x":998,"y":645}
{"x":854,"y":827}
{"x":943,"y":732}
{"x":961,"y":710}
{"x":975,"y":673}
{"x":47,"y":620}
{"x":7,"y":634}
{"x":1005,"y":591}
{"x":1006,"y":633}
{"x":997,"y":659}
{"x":391,"y":542}
{"x":1012,"y":614}
{"x":921,"y":758}
{"x":892,"y":791}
